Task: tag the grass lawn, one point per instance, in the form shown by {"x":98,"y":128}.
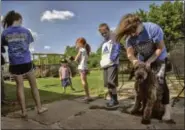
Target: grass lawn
{"x":50,"y":90}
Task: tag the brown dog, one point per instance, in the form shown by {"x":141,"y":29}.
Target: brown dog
{"x":148,"y":92}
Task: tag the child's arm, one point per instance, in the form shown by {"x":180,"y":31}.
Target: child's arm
{"x":70,"y":73}
{"x":77,"y":56}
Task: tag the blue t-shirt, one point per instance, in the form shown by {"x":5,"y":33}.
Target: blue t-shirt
{"x":145,"y":43}
{"x":17,"y":39}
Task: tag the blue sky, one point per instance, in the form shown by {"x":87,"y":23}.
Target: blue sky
{"x":56,"y":24}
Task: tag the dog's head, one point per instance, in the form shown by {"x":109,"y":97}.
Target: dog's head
{"x":141,"y":72}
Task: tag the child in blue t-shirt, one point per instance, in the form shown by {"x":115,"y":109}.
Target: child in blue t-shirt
{"x":18,"y":39}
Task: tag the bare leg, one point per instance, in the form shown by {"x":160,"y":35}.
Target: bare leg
{"x":71,"y":85}
{"x":2,"y":88}
{"x":35,"y":92}
{"x":64,"y":90}
{"x":85,"y":85}
{"x":20,"y":93}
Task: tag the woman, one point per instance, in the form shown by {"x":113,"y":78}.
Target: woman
{"x":18,"y":39}
{"x":82,"y":57}
{"x":146,"y":39}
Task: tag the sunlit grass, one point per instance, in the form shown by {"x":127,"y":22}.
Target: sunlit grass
{"x":51,"y":90}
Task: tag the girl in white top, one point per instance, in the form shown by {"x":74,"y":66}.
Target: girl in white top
{"x":82,"y":57}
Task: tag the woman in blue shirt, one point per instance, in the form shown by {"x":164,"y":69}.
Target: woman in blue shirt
{"x":146,"y":39}
{"x":18,"y":39}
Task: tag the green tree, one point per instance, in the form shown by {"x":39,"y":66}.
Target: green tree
{"x":143,"y":15}
{"x":169,"y":16}
{"x":70,"y":51}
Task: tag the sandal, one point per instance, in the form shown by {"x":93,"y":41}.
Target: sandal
{"x":87,"y":99}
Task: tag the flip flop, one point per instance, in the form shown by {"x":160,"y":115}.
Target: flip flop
{"x":87,"y":99}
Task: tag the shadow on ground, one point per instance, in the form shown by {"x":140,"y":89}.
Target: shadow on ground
{"x":51,"y":85}
{"x":46,"y":97}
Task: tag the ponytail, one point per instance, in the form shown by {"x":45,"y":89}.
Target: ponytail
{"x":88,"y":49}
{"x":10,"y":17}
{"x":83,"y":42}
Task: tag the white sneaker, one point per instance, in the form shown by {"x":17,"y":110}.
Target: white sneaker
{"x":167,"y":113}
{"x":42,"y":110}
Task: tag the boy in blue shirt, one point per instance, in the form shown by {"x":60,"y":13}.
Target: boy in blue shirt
{"x":109,"y":62}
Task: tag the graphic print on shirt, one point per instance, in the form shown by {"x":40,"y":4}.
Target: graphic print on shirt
{"x":17,"y":44}
{"x":17,"y":39}
{"x":106,"y":50}
{"x":145,"y":48}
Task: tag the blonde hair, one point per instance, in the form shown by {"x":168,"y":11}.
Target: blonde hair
{"x":128,"y":25}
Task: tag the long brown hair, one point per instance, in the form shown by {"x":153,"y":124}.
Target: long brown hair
{"x":10,"y":17}
{"x":83,"y":43}
{"x":128,"y":25}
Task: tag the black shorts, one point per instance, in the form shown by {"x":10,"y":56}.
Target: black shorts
{"x":21,"y":68}
{"x":110,"y":76}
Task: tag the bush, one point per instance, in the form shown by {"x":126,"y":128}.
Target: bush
{"x":73,"y":66}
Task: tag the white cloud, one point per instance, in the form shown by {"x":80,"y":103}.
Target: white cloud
{"x":56,"y":15}
{"x":32,"y":49}
{"x":34,"y":34}
{"x":113,"y":28}
{"x":47,"y":47}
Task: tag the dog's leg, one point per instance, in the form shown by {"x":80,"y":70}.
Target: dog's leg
{"x":158,"y":104}
{"x":147,"y":112}
{"x":136,"y":106}
{"x":158,"y":110}
{"x":149,"y":106}
{"x":137,"y":103}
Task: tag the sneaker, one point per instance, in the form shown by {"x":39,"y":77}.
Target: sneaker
{"x":112,"y":103}
{"x":109,"y":101}
{"x":42,"y":110}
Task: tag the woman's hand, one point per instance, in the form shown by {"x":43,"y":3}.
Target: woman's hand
{"x":131,"y":56}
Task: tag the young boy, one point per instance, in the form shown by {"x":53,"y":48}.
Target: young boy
{"x":65,"y":75}
{"x":109,"y":62}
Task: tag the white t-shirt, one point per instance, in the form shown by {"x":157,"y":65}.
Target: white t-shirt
{"x":83,"y":59}
{"x":106,"y":54}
